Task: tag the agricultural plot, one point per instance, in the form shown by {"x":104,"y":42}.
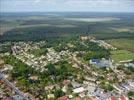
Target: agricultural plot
{"x":38,"y":27}
{"x":124,"y":29}
{"x":103,"y":19}
{"x":125,"y":44}
{"x":121,"y":55}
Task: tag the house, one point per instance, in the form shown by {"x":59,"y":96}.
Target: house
{"x":75,"y":84}
{"x":77,"y":98}
{"x":90,"y":79}
{"x":131,"y":83}
{"x":33,"y":78}
{"x":122,"y":97}
{"x":65,"y":88}
{"x":111,"y":98}
{"x":70,"y":96}
{"x":7,"y":98}
{"x":118,"y":88}
{"x":50,"y":96}
{"x":84,"y":38}
{"x":62,"y":98}
{"x":93,"y":98}
{"x":66,"y":82}
{"x":49,"y":87}
{"x":129,"y":65}
{"x":1,"y":63}
{"x":87,"y":98}
{"x":126,"y":61}
{"x":82,"y":95}
{"x":101,"y":63}
{"x":79,"y":90}
{"x":91,"y":89}
{"x":17,"y":97}
{"x":94,"y":61}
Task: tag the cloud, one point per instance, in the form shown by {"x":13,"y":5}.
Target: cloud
{"x":37,"y":1}
{"x":67,"y":5}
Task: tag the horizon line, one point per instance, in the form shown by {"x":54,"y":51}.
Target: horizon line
{"x":65,"y":12}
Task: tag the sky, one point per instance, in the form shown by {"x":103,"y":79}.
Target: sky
{"x":66,"y":5}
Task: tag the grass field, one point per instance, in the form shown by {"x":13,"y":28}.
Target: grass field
{"x":120,"y":55}
{"x":124,"y":29}
{"x":125,"y":44}
{"x":37,"y":27}
{"x":103,"y":19}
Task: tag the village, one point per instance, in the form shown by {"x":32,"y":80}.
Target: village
{"x":97,"y":82}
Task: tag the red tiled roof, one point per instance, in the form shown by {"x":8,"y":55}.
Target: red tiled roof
{"x":66,"y":82}
{"x":122,"y":97}
{"x":77,"y":98}
{"x":62,"y":98}
{"x":113,"y":98}
{"x":8,"y":98}
{"x":93,"y":97}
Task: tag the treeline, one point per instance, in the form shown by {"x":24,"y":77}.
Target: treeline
{"x":93,"y":51}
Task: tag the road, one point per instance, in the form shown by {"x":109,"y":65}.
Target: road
{"x":16,"y":90}
{"x":85,"y":67}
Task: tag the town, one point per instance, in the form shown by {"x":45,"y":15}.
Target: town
{"x":76,"y":69}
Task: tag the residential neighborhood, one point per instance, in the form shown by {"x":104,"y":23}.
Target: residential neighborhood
{"x":94,"y":79}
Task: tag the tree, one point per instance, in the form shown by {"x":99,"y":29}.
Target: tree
{"x":51,"y":69}
{"x":58,"y":93}
{"x":131,"y":95}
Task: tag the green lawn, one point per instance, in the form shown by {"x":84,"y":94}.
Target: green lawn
{"x":120,"y":55}
{"x":125,"y":44}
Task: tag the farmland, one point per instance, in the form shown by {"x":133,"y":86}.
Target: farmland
{"x":36,"y":26}
{"x":125,"y":44}
{"x":125,"y":49}
{"x":120,"y":55}
{"x":105,"y":19}
{"x":124,"y":29}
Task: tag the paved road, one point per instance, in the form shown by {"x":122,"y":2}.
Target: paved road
{"x":86,"y":68}
{"x":16,"y":90}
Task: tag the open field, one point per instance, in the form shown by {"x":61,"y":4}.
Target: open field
{"x":103,"y":19}
{"x":44,"y":25}
{"x":39,"y":26}
{"x":124,"y":29}
{"x":4,"y":29}
{"x":120,"y":55}
{"x":125,"y":44}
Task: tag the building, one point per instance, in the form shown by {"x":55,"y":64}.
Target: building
{"x":118,"y":88}
{"x":50,"y":96}
{"x":75,"y":84}
{"x":82,"y":95}
{"x":86,"y":37}
{"x":65,"y":88}
{"x":77,"y":98}
{"x":93,"y":98}
{"x":34,"y":78}
{"x":129,"y":65}
{"x":62,"y":98}
{"x":101,"y":63}
{"x":79,"y":90}
{"x":122,"y":97}
{"x":94,"y":61}
{"x":1,"y":63}
{"x":111,"y":98}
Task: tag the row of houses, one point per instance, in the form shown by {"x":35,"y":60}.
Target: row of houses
{"x":86,"y":91}
{"x":22,"y":53}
